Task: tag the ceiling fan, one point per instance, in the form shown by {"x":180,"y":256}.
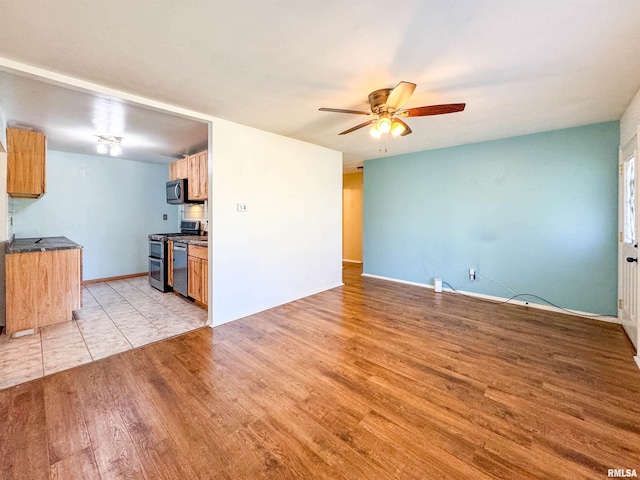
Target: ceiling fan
{"x":386,"y":105}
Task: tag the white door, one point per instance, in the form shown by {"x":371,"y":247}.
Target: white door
{"x":628,"y":241}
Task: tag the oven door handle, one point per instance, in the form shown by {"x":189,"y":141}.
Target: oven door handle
{"x":156,"y":259}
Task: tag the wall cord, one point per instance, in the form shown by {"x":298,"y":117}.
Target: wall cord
{"x":525,"y":296}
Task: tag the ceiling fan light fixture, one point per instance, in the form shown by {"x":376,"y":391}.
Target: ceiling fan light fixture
{"x":387,"y":111}
{"x":384,"y":124}
{"x":397,"y":128}
{"x":374,"y":132}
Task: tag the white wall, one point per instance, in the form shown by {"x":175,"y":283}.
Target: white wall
{"x":288,"y":244}
{"x":630,"y":120}
{"x":4,"y":218}
{"x":108,"y":205}
{"x":3,"y":132}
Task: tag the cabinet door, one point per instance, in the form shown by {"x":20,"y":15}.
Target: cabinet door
{"x":169,"y":260}
{"x":205,"y":282}
{"x":179,"y":169}
{"x":194,"y":176}
{"x":22,"y":291}
{"x":42,"y":288}
{"x":59,"y":284}
{"x":182,"y":169}
{"x":203,"y":171}
{"x":26,"y":157}
{"x":198,"y":176}
{"x":194,"y":278}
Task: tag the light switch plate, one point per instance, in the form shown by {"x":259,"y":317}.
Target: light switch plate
{"x":242,"y":207}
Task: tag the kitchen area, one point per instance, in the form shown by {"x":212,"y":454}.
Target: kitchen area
{"x":179,"y":261}
{"x":82,"y":275}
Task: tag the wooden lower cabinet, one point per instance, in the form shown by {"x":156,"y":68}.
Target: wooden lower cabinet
{"x":198,"y":274}
{"x":194,"y":287}
{"x":170,"y":263}
{"x":42,"y":288}
{"x":205,"y":282}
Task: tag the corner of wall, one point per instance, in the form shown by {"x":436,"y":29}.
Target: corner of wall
{"x":3,"y":132}
{"x":630,"y":120}
{"x":6,"y":202}
{"x":5,"y":229}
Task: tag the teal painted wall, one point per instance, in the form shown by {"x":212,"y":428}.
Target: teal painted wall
{"x":108,"y":205}
{"x":537,"y":213}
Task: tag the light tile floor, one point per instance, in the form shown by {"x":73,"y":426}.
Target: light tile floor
{"x":115,"y":316}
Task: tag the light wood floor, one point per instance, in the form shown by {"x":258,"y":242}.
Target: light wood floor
{"x":374,"y":380}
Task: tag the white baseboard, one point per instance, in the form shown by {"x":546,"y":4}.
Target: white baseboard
{"x":351,"y":261}
{"x":262,"y":308}
{"x":397,"y":280}
{"x":575,"y":313}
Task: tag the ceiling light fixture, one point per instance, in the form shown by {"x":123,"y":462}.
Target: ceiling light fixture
{"x":387,"y":124}
{"x":397,"y":128}
{"x":102,"y":146}
{"x":384,"y":123}
{"x":109,"y":144}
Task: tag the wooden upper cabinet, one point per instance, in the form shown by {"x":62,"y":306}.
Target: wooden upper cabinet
{"x":195,"y":169}
{"x":26,"y":163}
{"x":198,"y":173}
{"x":179,"y":169}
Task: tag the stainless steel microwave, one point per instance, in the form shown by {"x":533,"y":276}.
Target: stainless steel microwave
{"x":177,"y":191}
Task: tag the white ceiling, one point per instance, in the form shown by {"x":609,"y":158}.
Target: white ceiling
{"x":522,"y":66}
{"x":72,"y":118}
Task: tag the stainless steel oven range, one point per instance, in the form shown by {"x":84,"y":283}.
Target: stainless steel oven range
{"x":158,"y":253}
{"x":158,"y":264}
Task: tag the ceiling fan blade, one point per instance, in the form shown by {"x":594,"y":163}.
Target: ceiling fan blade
{"x":432,"y":110}
{"x":399,"y":96}
{"x":340,"y":110}
{"x":353,"y":129}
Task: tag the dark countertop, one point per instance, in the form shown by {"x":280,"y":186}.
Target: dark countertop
{"x":202,"y":240}
{"x":39,"y":244}
{"x":161,"y":237}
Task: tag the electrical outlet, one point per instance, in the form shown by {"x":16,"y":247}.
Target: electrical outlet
{"x":472,"y":274}
{"x":242,"y":207}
